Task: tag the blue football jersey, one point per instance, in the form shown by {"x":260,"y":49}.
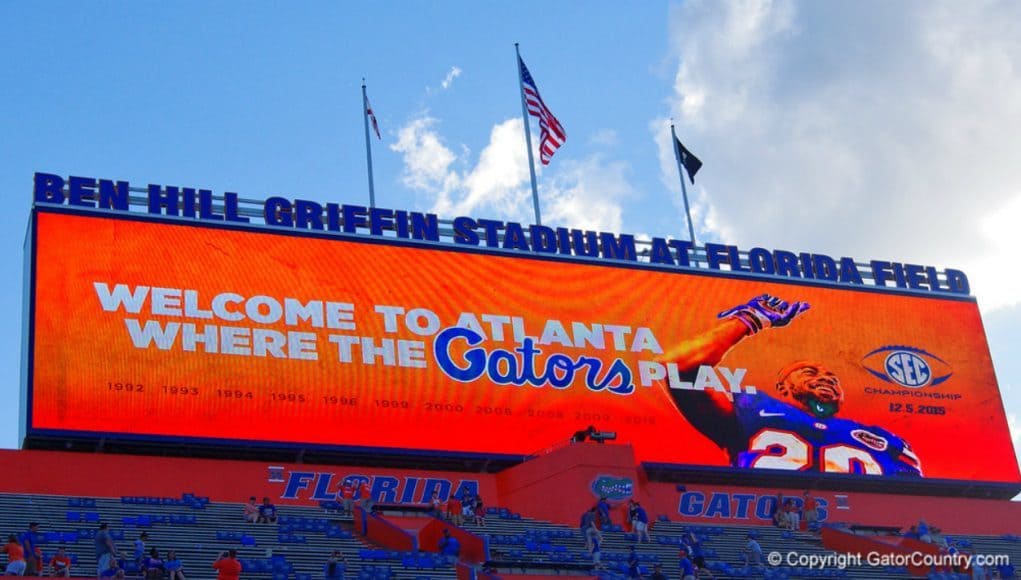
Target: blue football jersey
{"x":782,"y":436}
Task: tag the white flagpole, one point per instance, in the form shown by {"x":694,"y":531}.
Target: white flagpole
{"x":528,"y":138}
{"x":684,"y":188}
{"x":368,"y":145}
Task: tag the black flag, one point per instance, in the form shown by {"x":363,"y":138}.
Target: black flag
{"x":685,"y":158}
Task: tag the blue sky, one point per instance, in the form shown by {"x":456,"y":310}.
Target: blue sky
{"x":866,"y":129}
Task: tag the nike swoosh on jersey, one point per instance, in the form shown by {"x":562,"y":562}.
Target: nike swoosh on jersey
{"x":763,"y":413}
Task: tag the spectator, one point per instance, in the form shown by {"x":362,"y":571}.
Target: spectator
{"x":657,"y":572}
{"x":793,"y":518}
{"x":781,"y":520}
{"x":454,"y":513}
{"x":641,"y":524}
{"x":701,"y":571}
{"x":468,"y":506}
{"x":633,"y":569}
{"x":365,"y":495}
{"x":923,"y":532}
{"x":603,"y":507}
{"x":435,"y":505}
{"x":267,"y":512}
{"x":978,"y":571}
{"x":811,"y":510}
{"x":227,"y":566}
{"x":584,"y":524}
{"x":952,"y":550}
{"x":694,"y":547}
{"x":15,"y":557}
{"x":139,"y":554}
{"x":152,"y":566}
{"x":335,"y":566}
{"x":251,"y":511}
{"x":33,"y":554}
{"x":444,"y":539}
{"x":752,"y":552}
{"x":687,"y":567}
{"x":597,"y":554}
{"x":347,"y":494}
{"x":777,"y":512}
{"x":589,"y":529}
{"x":480,"y":511}
{"x":174,"y":567}
{"x":106,"y":552}
{"x":450,"y":548}
{"x":60,"y":564}
{"x":693,"y":544}
{"x":112,"y":570}
{"x":912,"y":532}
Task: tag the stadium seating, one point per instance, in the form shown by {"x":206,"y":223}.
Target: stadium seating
{"x":297,"y":546}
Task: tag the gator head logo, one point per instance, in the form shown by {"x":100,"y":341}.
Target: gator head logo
{"x":615,"y":488}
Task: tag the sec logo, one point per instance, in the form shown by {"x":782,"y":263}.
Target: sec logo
{"x":907,"y":366}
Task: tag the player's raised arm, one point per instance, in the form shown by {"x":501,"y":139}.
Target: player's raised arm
{"x":734,"y":325}
{"x":711,"y":411}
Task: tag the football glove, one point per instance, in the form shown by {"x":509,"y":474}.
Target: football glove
{"x":765,"y":311}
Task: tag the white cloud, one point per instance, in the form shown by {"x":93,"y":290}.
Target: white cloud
{"x":588,"y":195}
{"x":901,"y":144}
{"x":990,"y":274}
{"x":578,"y":193}
{"x":426,"y":160}
{"x":449,"y":79}
{"x":604,"y":138}
{"x":499,"y":181}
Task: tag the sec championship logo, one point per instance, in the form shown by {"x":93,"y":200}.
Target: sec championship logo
{"x":907,"y":366}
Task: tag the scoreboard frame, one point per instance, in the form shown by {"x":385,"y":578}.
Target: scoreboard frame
{"x":37,"y":437}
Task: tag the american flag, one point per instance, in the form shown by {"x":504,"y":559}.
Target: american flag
{"x":372,"y":117}
{"x":551,"y":133}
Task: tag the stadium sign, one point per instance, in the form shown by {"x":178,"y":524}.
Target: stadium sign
{"x":724,"y":505}
{"x":172,"y":331}
{"x":300,"y":214}
{"x":391,"y":489}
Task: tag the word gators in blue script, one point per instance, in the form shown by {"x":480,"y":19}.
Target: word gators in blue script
{"x":300,"y":214}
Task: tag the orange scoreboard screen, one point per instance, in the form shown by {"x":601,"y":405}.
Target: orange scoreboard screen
{"x":155,"y":329}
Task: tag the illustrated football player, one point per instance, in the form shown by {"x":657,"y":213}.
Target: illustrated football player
{"x":800,"y":430}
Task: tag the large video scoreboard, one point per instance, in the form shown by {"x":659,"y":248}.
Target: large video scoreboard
{"x":158,"y":330}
